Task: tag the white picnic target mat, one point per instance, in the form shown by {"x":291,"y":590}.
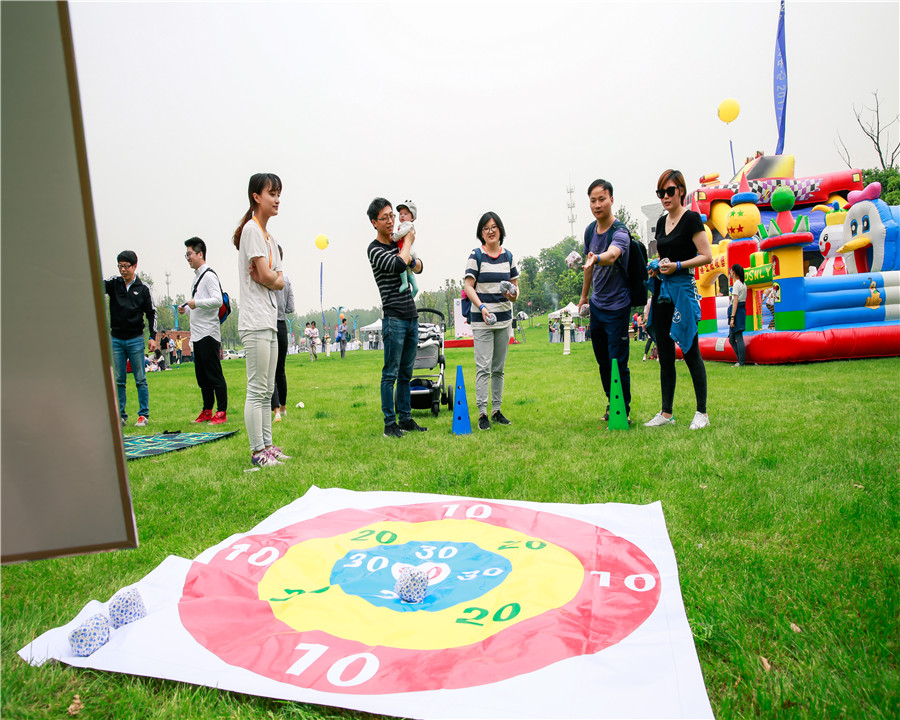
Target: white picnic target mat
{"x":533,"y":610}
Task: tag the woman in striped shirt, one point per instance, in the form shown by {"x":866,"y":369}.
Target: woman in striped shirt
{"x":491,"y":284}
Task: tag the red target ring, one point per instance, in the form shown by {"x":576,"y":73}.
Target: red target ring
{"x":221,"y":608}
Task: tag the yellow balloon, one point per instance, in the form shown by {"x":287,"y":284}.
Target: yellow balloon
{"x":321,"y":241}
{"x":728,"y":110}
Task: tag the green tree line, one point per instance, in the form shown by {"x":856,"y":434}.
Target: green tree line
{"x":546,"y":283}
{"x":890,"y":183}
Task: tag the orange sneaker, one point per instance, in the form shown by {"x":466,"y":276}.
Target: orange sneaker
{"x":219,"y":418}
{"x":205,"y":416}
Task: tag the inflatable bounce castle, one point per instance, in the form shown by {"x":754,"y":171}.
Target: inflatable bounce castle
{"x":774,"y":226}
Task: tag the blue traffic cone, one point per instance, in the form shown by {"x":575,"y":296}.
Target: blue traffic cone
{"x":461,"y":423}
{"x":618,"y":416}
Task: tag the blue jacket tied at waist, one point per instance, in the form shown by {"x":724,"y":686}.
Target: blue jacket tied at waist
{"x":681,"y":290}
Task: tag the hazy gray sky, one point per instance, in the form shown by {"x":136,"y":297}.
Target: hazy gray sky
{"x":462,"y":107}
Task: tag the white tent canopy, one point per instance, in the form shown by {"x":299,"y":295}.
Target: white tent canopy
{"x":571,"y":308}
{"x":374,"y":327}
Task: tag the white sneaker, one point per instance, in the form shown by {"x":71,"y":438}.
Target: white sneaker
{"x":276,"y":453}
{"x":264,"y":459}
{"x":659,"y":420}
{"x":700,"y":421}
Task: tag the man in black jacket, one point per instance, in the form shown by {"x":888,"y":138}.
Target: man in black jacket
{"x":129,"y":301}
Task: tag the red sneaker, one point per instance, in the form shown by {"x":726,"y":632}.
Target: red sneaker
{"x":205,"y":416}
{"x":219,"y":418}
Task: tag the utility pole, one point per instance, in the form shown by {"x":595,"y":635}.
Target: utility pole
{"x":169,"y":298}
{"x":572,"y":215}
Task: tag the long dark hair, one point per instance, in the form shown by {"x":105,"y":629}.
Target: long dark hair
{"x":259,"y":183}
{"x":738,"y":272}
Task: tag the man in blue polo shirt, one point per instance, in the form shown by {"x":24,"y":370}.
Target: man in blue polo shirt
{"x":606,"y":252}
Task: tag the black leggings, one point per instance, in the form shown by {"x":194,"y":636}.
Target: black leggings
{"x":279,"y":396}
{"x":736,"y":340}
{"x":662,"y":322}
{"x":736,"y":333}
{"x":648,"y":345}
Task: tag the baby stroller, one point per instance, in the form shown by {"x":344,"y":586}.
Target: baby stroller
{"x":428,"y":390}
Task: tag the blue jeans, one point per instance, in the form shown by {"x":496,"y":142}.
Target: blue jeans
{"x":401,"y":337}
{"x":130,"y":350}
{"x":609,"y":337}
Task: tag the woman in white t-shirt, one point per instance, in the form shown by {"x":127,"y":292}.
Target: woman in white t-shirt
{"x":737,"y":313}
{"x":259,"y":273}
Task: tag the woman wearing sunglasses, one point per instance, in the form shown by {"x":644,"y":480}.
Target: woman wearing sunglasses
{"x":682,"y":245}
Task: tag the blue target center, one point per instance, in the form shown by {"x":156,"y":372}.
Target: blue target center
{"x":457,"y":572}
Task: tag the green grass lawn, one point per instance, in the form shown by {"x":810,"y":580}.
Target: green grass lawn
{"x":783,"y":516}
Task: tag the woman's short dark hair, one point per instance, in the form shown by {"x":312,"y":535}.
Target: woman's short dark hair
{"x":676,"y":177}
{"x":484,"y":221}
{"x":738,"y":271}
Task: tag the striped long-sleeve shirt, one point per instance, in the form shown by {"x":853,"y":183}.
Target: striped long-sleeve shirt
{"x":388,"y":266}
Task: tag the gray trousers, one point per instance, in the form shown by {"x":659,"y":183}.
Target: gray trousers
{"x":491,"y":346}
{"x":262,"y":357}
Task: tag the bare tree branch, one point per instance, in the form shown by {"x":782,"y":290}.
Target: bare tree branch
{"x":844,"y":152}
{"x":873,"y":130}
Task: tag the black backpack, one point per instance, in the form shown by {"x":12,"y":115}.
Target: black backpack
{"x":636,"y":273}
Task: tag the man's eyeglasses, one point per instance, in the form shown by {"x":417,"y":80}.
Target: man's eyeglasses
{"x":387,"y":217}
{"x":670,"y":191}
{"x":189,"y":253}
{"x":125,"y":266}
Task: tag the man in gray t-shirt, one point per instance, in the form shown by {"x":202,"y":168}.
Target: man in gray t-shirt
{"x":605,"y":289}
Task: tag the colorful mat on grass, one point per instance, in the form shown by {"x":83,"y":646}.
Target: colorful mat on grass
{"x":532,"y":611}
{"x":138,"y":446}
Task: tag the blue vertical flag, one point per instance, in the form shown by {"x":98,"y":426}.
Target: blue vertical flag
{"x":781,"y":83}
{"x":321,"y":306}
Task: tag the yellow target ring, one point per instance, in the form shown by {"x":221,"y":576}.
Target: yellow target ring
{"x":544,"y":576}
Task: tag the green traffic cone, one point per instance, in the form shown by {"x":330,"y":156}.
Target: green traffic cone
{"x":618,"y":416}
